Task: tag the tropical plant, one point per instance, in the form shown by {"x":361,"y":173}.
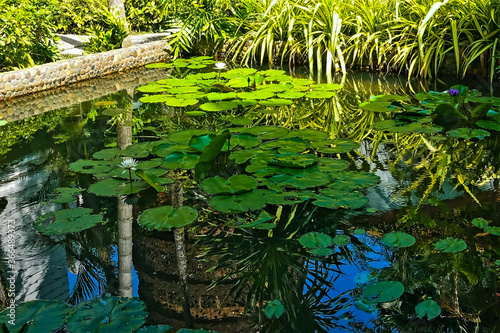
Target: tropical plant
{"x":106,"y":37}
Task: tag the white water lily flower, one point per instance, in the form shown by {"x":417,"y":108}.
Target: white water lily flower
{"x":128,"y":164}
{"x":220,"y":65}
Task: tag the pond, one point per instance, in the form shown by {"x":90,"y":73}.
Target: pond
{"x":254,"y":200}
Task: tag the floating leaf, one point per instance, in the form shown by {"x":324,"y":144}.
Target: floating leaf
{"x":384,"y":291}
{"x":429,"y":308}
{"x":180,"y":160}
{"x":195,"y":113}
{"x":331,"y":165}
{"x":272,"y":72}
{"x":327,"y":86}
{"x":245,"y":140}
{"x":468,"y":133}
{"x":155,"y":98}
{"x":301,"y":82}
{"x":335,"y":146}
{"x":114,"y":187}
{"x":341,"y":240}
{"x":66,"y":221}
{"x":159,"y":65}
{"x":308,"y":134}
{"x":359,"y":232}
{"x":451,"y":245}
{"x":221,"y":96}
{"x":90,"y":167}
{"x":291,"y":94}
{"x":480,"y":222}
{"x":152,"y":88}
{"x":389,"y":98}
{"x":219,"y":106}
{"x":294,"y":160}
{"x":314,"y":240}
{"x":276,"y":102}
{"x":377,"y":106}
{"x":184,"y":136}
{"x":338,"y":199}
{"x":256,"y":95}
{"x":398,"y":239}
{"x":238,"y":72}
{"x":241,"y":121}
{"x":167,"y":217}
{"x":267,"y":132}
{"x":242,"y":156}
{"x":36,"y":317}
{"x":274,"y":309}
{"x":397,"y":126}
{"x":107,"y":315}
{"x":320,"y":94}
{"x":492,"y":230}
{"x":239,"y":203}
{"x":489,"y":124}
{"x":233,"y":185}
{"x":179,"y":102}
{"x":154,"y":329}
{"x":276,"y":88}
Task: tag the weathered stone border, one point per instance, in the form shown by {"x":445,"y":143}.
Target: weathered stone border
{"x":52,"y":75}
{"x":18,"y":108}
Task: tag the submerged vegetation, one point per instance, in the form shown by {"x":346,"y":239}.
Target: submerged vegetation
{"x":269,"y":180}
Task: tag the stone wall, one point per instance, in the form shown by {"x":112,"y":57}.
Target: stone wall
{"x":30,"y":105}
{"x":63,"y":72}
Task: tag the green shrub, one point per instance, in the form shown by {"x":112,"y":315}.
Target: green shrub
{"x":27,"y":33}
{"x":76,"y":16}
{"x":147,"y":15}
{"x":107,"y":37}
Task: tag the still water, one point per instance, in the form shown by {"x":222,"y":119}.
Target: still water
{"x":228,"y":276}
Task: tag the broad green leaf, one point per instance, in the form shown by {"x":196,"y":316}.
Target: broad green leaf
{"x":150,"y":88}
{"x":221,"y":96}
{"x":320,"y":94}
{"x":267,"y":132}
{"x":113,"y":187}
{"x":314,"y":240}
{"x":90,"y":167}
{"x":397,"y":126}
{"x":239,"y":203}
{"x":180,"y":160}
{"x":167,"y":217}
{"x":108,"y":315}
{"x":480,"y":222}
{"x":377,"y":106}
{"x":274,"y":309}
{"x":36,"y":317}
{"x":398,"y":239}
{"x":468,"y":133}
{"x":294,"y":160}
{"x":428,"y":308}
{"x":335,"y":146}
{"x":326,"y":86}
{"x":291,"y":94}
{"x":333,"y":198}
{"x":341,"y":240}
{"x":179,"y":102}
{"x":308,"y":134}
{"x":256,"y":95}
{"x":233,"y":185}
{"x":451,"y":245}
{"x":489,"y":124}
{"x":154,"y":329}
{"x":151,"y":179}
{"x":66,"y":221}
{"x":219,"y":106}
{"x":384,"y":291}
{"x":184,"y":136}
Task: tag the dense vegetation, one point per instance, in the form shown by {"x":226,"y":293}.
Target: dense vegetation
{"x":417,"y":37}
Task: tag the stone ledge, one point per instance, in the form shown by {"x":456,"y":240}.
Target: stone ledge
{"x":48,"y":76}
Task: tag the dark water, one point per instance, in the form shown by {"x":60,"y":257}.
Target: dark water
{"x":420,"y":192}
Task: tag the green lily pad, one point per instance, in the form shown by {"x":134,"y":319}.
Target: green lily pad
{"x":195,"y":113}
{"x":428,"y":308}
{"x":200,"y":142}
{"x":243,"y":155}
{"x":308,"y":134}
{"x":335,"y":146}
{"x":183,"y":137}
{"x":66,"y":194}
{"x":239,"y":203}
{"x":397,"y":126}
{"x":291,"y":94}
{"x":152,"y":88}
{"x":165,"y":149}
{"x":348,"y":180}
{"x":389,"y":98}
{"x":137,"y":150}
{"x":274,"y":309}
{"x":492,"y":230}
{"x":468,"y":133}
{"x":90,"y":167}
{"x":278,"y":78}
{"x":241,"y":121}
{"x":272,"y":72}
{"x":173,"y":82}
{"x":276,"y":88}
{"x":181,"y":160}
{"x":155,"y":98}
{"x":384,"y":291}
{"x":184,"y":90}
{"x":327,"y":87}
{"x":276,"y":102}
{"x":302,"y":82}
{"x":196,"y":66}
{"x":359,"y":232}
{"x":341,"y":240}
{"x":489,"y":124}
{"x":154,"y":329}
{"x":112,"y":112}
{"x":238,"y":72}
{"x":288,"y":145}
{"x":167,"y":217}
{"x":246,"y":140}
{"x":333,"y":198}
{"x":233,"y":185}
{"x":315,"y":240}
{"x":219,"y":106}
{"x":331,"y":165}
{"x":66,"y":221}
{"x":377,"y":106}
{"x":107,"y":315}
{"x":480,"y":222}
{"x":451,"y":245}
{"x":113,"y":187}
{"x":398,"y":239}
{"x":267,"y":132}
{"x":179,"y":102}
{"x":256,"y":95}
{"x":320,"y":94}
{"x":294,"y":160}
{"x":36,"y":317}
{"x":221,"y":96}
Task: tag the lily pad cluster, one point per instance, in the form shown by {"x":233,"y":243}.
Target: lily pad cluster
{"x":107,"y":314}
{"x":230,"y":89}
{"x":67,"y":221}
{"x":466,"y":115}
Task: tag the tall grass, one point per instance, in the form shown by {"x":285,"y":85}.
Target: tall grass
{"x":412,"y":36}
